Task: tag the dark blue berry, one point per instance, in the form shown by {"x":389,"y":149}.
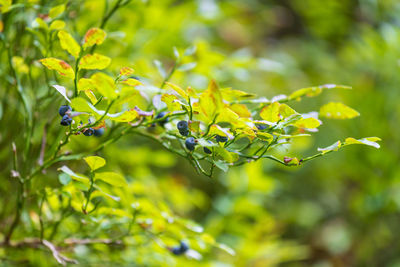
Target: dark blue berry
{"x":98,"y":132}
{"x":183,"y":128}
{"x":63,"y":109}
{"x":161,"y":115}
{"x":89,"y":132}
{"x":207,"y":150}
{"x":221,"y":139}
{"x":190,"y":143}
{"x":176,"y":250}
{"x":66,"y":120}
{"x":184,"y":247}
{"x":261,"y":126}
{"x":181,"y":249}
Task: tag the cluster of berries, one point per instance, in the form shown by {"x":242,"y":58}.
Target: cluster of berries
{"x":181,"y":249}
{"x":65,"y":112}
{"x":66,"y":120}
{"x":191,"y":142}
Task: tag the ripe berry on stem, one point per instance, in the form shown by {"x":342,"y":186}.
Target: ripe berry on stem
{"x":66,"y":120}
{"x":88,"y":132}
{"x":183,"y":128}
{"x":190,"y":143}
{"x":63,"y":109}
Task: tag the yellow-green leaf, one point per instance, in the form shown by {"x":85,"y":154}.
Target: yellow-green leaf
{"x":286,"y":111}
{"x":126,"y":71}
{"x":211,"y":101}
{"x":333,"y":147}
{"x":334,"y":110}
{"x":227,"y":155}
{"x":104,"y":84}
{"x":5,"y":5}
{"x":241,"y":110}
{"x":265,"y":136}
{"x":95,"y":61}
{"x":127,"y":116}
{"x":85,"y":84}
{"x":171,"y":102}
{"x":177,"y":89}
{"x":94,"y":36}
{"x":56,"y":11}
{"x":111,"y":178}
{"x":232,"y":94}
{"x":271,"y":112}
{"x":95,"y":162}
{"x":57,"y":25}
{"x":62,"y":67}
{"x":81,"y":105}
{"x":132,"y":82}
{"x":369,"y":141}
{"x":309,"y":123}
{"x":68,"y":43}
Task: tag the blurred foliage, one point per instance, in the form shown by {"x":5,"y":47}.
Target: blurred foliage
{"x":339,"y":211}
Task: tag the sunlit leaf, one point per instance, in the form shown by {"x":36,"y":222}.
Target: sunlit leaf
{"x":211,"y":101}
{"x":127,"y":116}
{"x":308,"y":123}
{"x":62,"y":67}
{"x":104,"y":84}
{"x":95,"y":61}
{"x":171,"y":101}
{"x":94,"y":36}
{"x":369,"y":141}
{"x":271,"y":112}
{"x":95,"y":162}
{"x":68,"y":43}
{"x":126,"y":71}
{"x":177,"y":89}
{"x":111,"y":178}
{"x":241,"y":110}
{"x":334,"y":110}
{"x":232,"y":94}
{"x":131,"y":82}
{"x":333,"y":147}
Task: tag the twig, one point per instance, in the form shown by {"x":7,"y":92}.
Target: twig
{"x":56,"y":254}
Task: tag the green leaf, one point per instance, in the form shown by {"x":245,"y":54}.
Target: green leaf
{"x":95,"y":162}
{"x":111,"y":178}
{"x":56,"y":11}
{"x":335,"y":110}
{"x":76,"y":176}
{"x":64,"y":178}
{"x":225,"y":248}
{"x":333,"y":147}
{"x":222,"y":165}
{"x":227,"y":155}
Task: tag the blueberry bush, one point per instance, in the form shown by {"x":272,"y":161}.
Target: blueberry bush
{"x":77,"y":188}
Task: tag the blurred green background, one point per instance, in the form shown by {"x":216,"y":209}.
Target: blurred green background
{"x":339,"y":210}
